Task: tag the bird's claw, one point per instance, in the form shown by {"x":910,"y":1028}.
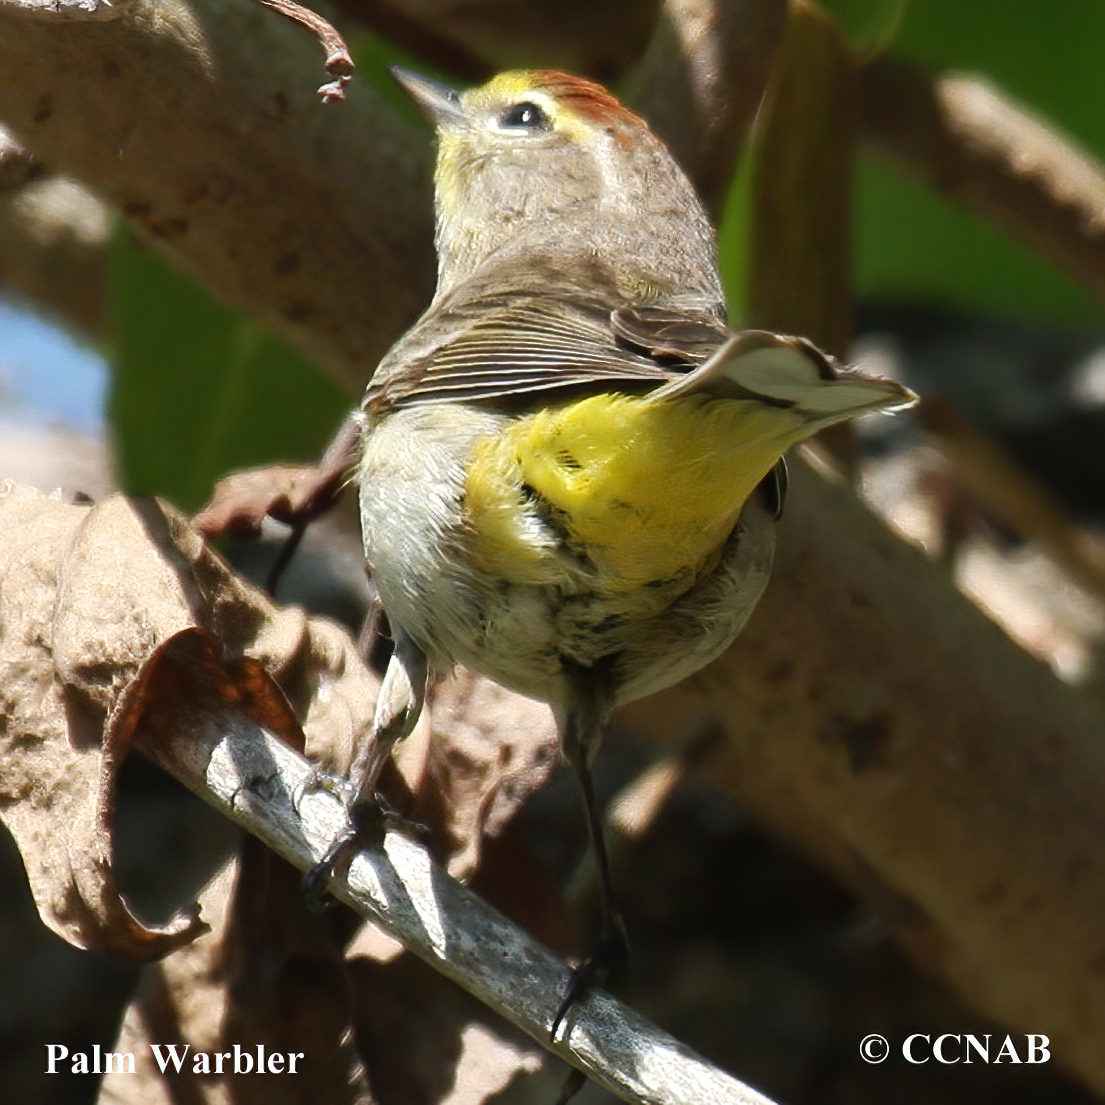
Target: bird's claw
{"x":609,"y":954}
{"x":337,"y":785}
{"x":316,"y":881}
{"x":368,"y":822}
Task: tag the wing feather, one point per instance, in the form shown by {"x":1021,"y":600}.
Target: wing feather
{"x":508,"y":345}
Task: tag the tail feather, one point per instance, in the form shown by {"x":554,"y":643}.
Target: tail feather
{"x":791,"y":373}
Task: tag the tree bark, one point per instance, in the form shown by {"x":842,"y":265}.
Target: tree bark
{"x":891,"y":731}
{"x":202,"y":125}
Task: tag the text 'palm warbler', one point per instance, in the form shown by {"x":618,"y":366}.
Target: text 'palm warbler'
{"x":566,"y":481}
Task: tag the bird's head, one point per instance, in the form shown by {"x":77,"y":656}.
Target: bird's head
{"x":551,"y":165}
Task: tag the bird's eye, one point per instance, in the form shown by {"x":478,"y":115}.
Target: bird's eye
{"x":526,"y":115}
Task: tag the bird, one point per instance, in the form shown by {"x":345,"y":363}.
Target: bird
{"x":570,"y":467}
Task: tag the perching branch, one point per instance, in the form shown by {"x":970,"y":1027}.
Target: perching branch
{"x":120,"y":628}
{"x":250,"y":776}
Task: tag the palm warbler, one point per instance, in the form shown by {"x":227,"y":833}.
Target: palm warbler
{"x":566,"y":481}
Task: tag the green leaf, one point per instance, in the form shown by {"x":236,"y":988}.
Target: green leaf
{"x":868,"y":26}
{"x":910,"y":242}
{"x":1048,"y":56}
{"x":734,"y":239}
{"x":199,"y":390}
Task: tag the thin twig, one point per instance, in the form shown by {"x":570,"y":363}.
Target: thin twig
{"x":801,"y":191}
{"x":339,"y":62}
{"x":240,"y":769}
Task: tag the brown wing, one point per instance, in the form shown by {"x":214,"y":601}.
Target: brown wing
{"x":494,"y":346}
{"x":669,"y":333}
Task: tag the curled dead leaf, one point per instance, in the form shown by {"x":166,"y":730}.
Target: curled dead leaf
{"x":109,"y":613}
{"x":115,"y":619}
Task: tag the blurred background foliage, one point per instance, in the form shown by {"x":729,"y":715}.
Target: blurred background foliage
{"x":198,"y":389}
{"x":912,"y":244}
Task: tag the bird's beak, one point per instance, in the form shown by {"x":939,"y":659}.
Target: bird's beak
{"x":438,"y":102}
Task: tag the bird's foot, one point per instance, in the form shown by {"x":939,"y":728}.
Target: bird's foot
{"x":609,"y":955}
{"x":368,"y":820}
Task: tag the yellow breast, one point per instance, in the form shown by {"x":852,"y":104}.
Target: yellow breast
{"x":642,"y":489}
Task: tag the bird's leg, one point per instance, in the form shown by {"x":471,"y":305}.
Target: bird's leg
{"x":398,"y":706}
{"x":581,"y":733}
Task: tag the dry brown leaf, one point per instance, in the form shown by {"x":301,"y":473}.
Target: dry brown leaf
{"x":491,"y":750}
{"x":87,"y":596}
{"x":53,"y":780}
{"x":292,"y":494}
{"x":115,"y":621}
{"x":427,"y":1041}
{"x":119,"y":613}
{"x":242,"y":500}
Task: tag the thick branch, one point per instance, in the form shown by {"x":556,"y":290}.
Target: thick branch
{"x":961,"y":137}
{"x":802,"y":186}
{"x":202,"y":124}
{"x":82,"y":11}
{"x":886,"y":726}
{"x":249,"y":776}
{"x":598,"y":38}
{"x":702,"y":80}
